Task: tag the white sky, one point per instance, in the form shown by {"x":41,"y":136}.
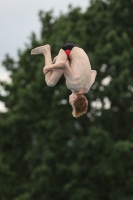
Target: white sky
{"x":19,"y":18}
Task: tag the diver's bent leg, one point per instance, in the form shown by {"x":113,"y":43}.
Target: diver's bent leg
{"x":46,"y":51}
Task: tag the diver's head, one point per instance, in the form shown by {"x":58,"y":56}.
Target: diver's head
{"x":79,"y":104}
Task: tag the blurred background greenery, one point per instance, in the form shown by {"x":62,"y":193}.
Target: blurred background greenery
{"x":47,"y":154}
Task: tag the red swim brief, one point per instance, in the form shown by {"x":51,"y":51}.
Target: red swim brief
{"x":68,"y":47}
{"x":67,"y":52}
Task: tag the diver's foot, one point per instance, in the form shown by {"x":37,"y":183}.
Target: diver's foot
{"x":40,"y":50}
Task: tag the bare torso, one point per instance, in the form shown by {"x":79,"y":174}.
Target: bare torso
{"x":81,"y":68}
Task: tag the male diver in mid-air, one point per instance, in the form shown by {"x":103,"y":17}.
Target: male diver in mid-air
{"x":73,"y":62}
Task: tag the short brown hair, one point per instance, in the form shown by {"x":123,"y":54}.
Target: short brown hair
{"x":80,"y":106}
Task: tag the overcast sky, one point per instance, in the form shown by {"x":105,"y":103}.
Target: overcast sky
{"x":18,"y":18}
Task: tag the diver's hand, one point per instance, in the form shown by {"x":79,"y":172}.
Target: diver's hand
{"x":46,"y":70}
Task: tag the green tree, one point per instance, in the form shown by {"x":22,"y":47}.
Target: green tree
{"x":45,"y":152}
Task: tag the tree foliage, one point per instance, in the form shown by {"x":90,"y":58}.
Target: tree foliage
{"x":45,"y":152}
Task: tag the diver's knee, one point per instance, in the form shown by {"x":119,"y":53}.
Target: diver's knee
{"x":50,"y":83}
